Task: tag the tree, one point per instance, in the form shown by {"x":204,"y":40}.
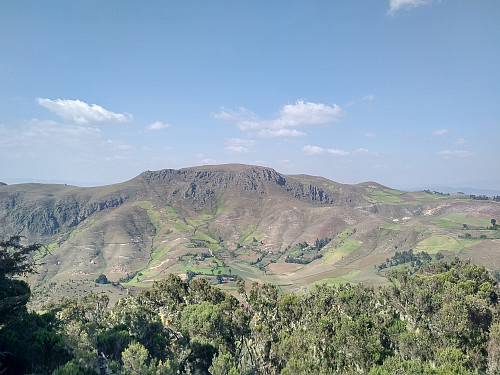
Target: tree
{"x":496,"y":275}
{"x":102,"y":279}
{"x":14,"y":261}
{"x":134,"y":359}
{"x":28,"y":341}
{"x":223,"y":364}
{"x":190,"y":276}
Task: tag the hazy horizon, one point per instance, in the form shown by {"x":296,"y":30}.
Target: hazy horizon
{"x":477,"y":187}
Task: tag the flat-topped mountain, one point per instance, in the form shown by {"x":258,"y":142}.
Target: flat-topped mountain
{"x":229,"y":221}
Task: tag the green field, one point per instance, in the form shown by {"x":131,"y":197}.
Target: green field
{"x":157,"y":254}
{"x":424,"y":196}
{"x":333,"y":189}
{"x":344,"y":235}
{"x":387,"y":196}
{"x":333,"y":255}
{"x":209,"y":266}
{"x":337,"y":280}
{"x":457,"y":221}
{"x":442,"y":242}
{"x":221,"y":209}
{"x":154,"y":216}
{"x":245,"y":232}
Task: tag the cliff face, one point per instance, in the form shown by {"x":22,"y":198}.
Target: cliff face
{"x":204,"y":184}
{"x":39,"y":211}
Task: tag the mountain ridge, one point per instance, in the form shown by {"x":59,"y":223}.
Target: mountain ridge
{"x":236,"y":220}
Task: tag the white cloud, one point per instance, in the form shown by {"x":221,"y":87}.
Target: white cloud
{"x":370,"y":135}
{"x":237,"y":149}
{"x":306,"y":113}
{"x":458,"y":153}
{"x":362,"y":151}
{"x":396,"y":5}
{"x":158,"y":125}
{"x":81,"y":112}
{"x":313,"y":150}
{"x":274,"y":133}
{"x":238,"y":145}
{"x":461,"y":142}
{"x":317,"y":150}
{"x":369,"y":98}
{"x":239,"y":142}
{"x":290,"y":116}
{"x":440,"y":132}
{"x":332,"y":151}
{"x":240,"y":115}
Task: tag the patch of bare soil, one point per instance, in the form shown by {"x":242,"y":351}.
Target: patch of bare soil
{"x":283,"y":268}
{"x":485,"y":253}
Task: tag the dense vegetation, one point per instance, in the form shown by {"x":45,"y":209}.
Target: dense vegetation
{"x":413,"y":260}
{"x":442,"y":320}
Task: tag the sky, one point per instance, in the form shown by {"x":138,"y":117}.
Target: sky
{"x":402,"y":92}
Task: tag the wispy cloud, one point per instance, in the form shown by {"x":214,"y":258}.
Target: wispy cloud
{"x":158,"y":125}
{"x":370,"y":135}
{"x":461,"y":142}
{"x":440,"y":132}
{"x":39,"y":139}
{"x":396,"y":5}
{"x":317,"y":150}
{"x":291,"y":116}
{"x":274,"y":133}
{"x":369,"y":98}
{"x":39,"y":132}
{"x":238,"y":149}
{"x":242,"y":114}
{"x":81,"y":112}
{"x":238,"y":145}
{"x":118,"y":145}
{"x":456,"y":153}
{"x":362,"y":150}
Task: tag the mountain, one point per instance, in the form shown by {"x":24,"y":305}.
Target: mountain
{"x":230,"y":221}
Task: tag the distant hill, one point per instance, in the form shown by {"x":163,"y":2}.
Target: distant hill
{"x":465,"y":190}
{"x":234,"y":221}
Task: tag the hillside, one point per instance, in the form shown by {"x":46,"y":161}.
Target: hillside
{"x":231,"y":221}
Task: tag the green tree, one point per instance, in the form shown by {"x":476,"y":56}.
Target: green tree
{"x":223,"y":364}
{"x":102,"y":279}
{"x":135,"y":359}
{"x":15,"y":260}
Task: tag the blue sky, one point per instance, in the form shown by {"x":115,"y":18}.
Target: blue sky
{"x":402,"y":92}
